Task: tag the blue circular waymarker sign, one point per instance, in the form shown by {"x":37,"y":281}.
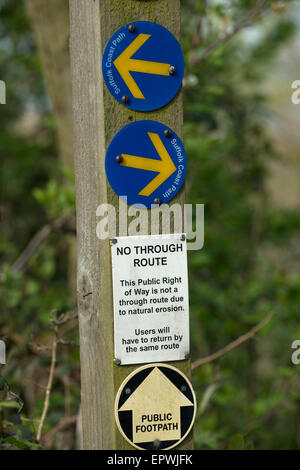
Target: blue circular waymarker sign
{"x":146,"y":163}
{"x":143,"y":66}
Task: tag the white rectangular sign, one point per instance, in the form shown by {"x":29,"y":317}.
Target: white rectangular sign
{"x":151,"y":304}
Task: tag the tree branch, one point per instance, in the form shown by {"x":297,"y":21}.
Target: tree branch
{"x":39,"y":237}
{"x":50,"y":380}
{"x":227,"y":36}
{"x":234,"y":344}
{"x":47,"y":439}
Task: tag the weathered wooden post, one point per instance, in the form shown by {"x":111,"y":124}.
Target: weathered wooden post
{"x":98,"y":118}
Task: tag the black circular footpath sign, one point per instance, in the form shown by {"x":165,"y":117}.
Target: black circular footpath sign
{"x":155,"y":407}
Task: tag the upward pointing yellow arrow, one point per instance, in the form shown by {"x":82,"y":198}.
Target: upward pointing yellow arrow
{"x":156,"y":400}
{"x":164,"y":167}
{"x":125,"y":64}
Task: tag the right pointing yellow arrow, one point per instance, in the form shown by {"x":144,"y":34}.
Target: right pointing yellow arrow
{"x":125,"y":64}
{"x":164,"y":167}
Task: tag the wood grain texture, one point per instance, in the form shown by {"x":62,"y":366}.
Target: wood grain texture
{"x":97,"y":118}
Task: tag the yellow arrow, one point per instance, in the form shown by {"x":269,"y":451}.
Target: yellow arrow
{"x":164,"y":167}
{"x":125,"y":64}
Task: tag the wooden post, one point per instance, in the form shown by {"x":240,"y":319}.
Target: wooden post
{"x":97,"y":118}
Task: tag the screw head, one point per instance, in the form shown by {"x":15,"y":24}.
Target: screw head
{"x":127,"y":391}
{"x":183,"y":388}
{"x":125,"y":99}
{"x":156,"y":444}
{"x":167,"y":133}
{"x":119,"y":159}
{"x":114,"y":241}
{"x":131,"y":28}
{"x":117,"y":362}
{"x":182,"y":237}
{"x":157,"y":200}
{"x":172,"y":70}
{"x":187,"y":356}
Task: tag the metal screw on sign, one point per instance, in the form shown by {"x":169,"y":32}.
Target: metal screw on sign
{"x":167,"y":133}
{"x":156,"y":444}
{"x":131,"y":28}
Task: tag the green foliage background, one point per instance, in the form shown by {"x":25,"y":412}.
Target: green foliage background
{"x":248,"y":398}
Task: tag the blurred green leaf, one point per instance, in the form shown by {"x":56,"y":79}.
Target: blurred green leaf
{"x":236,"y":442}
